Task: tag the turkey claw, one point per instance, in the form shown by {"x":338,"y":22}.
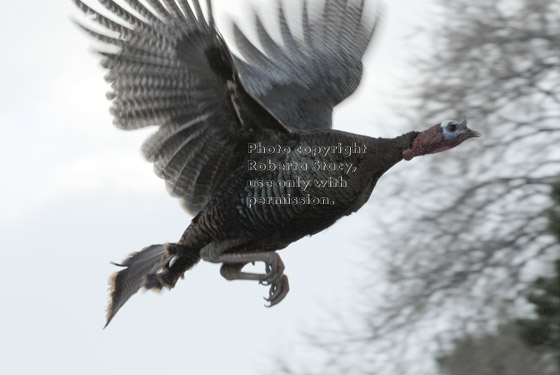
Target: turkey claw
{"x":278,"y":290}
{"x":274,"y":269}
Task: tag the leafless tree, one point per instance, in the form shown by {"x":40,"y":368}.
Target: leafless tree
{"x":477,"y":234}
{"x":481,"y":223}
{"x":501,"y":353}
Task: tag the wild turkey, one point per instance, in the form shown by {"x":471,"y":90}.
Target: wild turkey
{"x":245,"y":142}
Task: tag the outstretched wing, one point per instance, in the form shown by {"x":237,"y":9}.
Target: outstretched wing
{"x":301,"y":81}
{"x":171,"y":68}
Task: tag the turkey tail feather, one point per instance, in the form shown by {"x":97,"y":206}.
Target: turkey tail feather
{"x":142,"y":269}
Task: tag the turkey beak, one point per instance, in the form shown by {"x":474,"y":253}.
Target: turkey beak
{"x":470,"y":133}
{"x":473,"y":133}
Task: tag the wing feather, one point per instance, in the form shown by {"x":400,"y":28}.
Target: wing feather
{"x":172,"y":69}
{"x":301,"y":81}
{"x":159,"y":8}
{"x":288,"y":39}
{"x":139,"y":8}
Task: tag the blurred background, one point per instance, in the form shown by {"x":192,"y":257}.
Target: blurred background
{"x":451,"y":268}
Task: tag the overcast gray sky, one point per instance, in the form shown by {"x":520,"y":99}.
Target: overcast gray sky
{"x":75,"y":194}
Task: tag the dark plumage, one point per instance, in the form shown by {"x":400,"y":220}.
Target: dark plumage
{"x":173,"y":69}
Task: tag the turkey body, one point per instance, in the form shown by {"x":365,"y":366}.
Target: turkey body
{"x":270,"y":217}
{"x":169,"y":66}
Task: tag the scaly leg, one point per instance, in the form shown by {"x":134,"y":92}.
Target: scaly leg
{"x":273,"y":276}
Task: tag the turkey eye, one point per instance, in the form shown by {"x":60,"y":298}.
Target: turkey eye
{"x":451,"y":127}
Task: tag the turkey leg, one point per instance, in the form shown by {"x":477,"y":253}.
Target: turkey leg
{"x":273,"y":276}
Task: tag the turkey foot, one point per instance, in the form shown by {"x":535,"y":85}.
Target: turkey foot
{"x":274,"y":269}
{"x":273,"y":276}
{"x":278,"y":290}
